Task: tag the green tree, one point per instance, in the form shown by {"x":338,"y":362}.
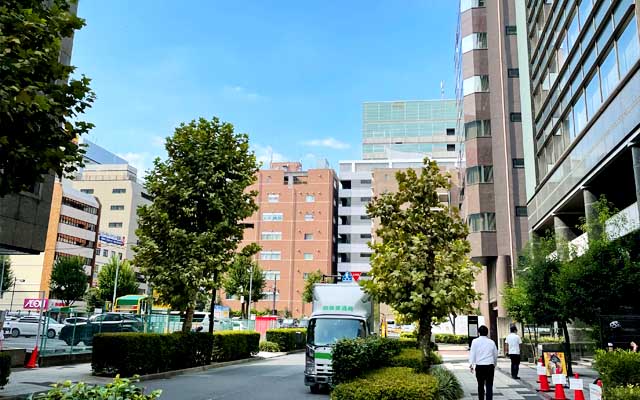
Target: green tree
{"x":39,"y":104}
{"x":7,"y":277}
{"x":312,"y":279}
{"x":189,"y":234}
{"x":420,"y":264}
{"x":127,"y":282}
{"x":68,"y":280}
{"x":93,"y":300}
{"x":238,"y":281}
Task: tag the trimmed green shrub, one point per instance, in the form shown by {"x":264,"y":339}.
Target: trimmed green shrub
{"x":623,"y":393}
{"x":449,"y":387}
{"x":235,"y":345}
{"x":118,"y":389}
{"x":394,"y":383}
{"x":451,"y":338}
{"x":407,"y":343}
{"x":269,"y":347}
{"x":5,"y":369}
{"x":354,"y":357}
{"x":618,"y":368}
{"x":409,"y":335}
{"x":410,"y":358}
{"x":288,"y":339}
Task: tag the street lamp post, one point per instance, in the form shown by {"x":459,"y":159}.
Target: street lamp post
{"x":250,"y":288}
{"x":2,"y":279}
{"x":13,"y":292}
{"x":115,"y":286}
{"x":275,"y":289}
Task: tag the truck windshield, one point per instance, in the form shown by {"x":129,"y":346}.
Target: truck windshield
{"x":327,"y":331}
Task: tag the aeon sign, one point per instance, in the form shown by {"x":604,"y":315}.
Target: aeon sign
{"x":35,"y":304}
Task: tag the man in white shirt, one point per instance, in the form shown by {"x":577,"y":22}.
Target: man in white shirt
{"x":484,"y":357}
{"x":513,"y":351}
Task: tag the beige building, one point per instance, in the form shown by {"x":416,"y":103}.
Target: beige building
{"x":120,"y":193}
{"x":295,"y":226}
{"x":72,"y":231}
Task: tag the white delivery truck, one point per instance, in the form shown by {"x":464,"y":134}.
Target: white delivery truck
{"x":339,"y":311}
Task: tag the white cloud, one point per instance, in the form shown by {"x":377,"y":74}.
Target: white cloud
{"x":327,"y":142}
{"x":266,"y":154}
{"x":241,"y":93}
{"x":141,"y":161}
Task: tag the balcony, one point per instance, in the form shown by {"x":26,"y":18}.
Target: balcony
{"x":353,"y":248}
{"x":356,"y":229}
{"x":353,"y":210}
{"x":350,"y":193}
{"x":351,"y":267}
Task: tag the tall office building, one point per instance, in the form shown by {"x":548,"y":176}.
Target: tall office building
{"x":296,"y":229}
{"x":584,"y":91}
{"x":494,"y":201}
{"x":409,"y":129}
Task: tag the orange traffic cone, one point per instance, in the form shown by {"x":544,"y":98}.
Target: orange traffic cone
{"x":33,"y":360}
{"x":559,"y":394}
{"x":577,"y":393}
{"x":544,"y":383}
{"x":541,"y":363}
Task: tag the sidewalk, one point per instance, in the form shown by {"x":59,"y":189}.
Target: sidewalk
{"x":23,"y":382}
{"x":504,"y":387}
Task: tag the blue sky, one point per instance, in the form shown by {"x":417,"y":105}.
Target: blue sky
{"x":291,"y":74}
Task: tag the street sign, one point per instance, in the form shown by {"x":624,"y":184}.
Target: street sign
{"x":35,"y":304}
{"x":595,"y":392}
{"x":347,"y":277}
{"x":356,"y":275}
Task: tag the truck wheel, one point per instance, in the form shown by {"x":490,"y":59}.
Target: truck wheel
{"x":15,"y":332}
{"x":315,"y":389}
{"x":51,"y":333}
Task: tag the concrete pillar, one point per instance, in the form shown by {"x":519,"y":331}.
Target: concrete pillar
{"x":590,"y":212}
{"x":563,"y":234}
{"x":483,"y":288}
{"x":503,"y":278}
{"x":635,"y":155}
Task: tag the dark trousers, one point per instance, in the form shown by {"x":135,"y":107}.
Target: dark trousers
{"x":484,"y":375}
{"x":515,"y":364}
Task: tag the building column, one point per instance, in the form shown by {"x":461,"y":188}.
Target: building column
{"x":503,"y":278}
{"x":563,"y":234}
{"x":483,"y":288}
{"x":590,"y":212}
{"x":635,"y":156}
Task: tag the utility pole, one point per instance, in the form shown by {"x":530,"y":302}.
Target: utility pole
{"x":115,"y":285}
{"x":275,"y":288}
{"x":250,"y":288}
{"x":2,"y":279}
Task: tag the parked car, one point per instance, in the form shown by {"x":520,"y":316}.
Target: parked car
{"x":304,"y":323}
{"x":289,"y":323}
{"x":75,"y":320}
{"x":28,"y":326}
{"x":101,"y":323}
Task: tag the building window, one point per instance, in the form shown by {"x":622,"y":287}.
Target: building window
{"x":469,"y":4}
{"x":628,"y":48}
{"x":475,"y":84}
{"x":271,"y":275}
{"x":272,"y":216}
{"x":270,"y":255}
{"x":98,"y":251}
{"x":365,"y":236}
{"x":513,"y":73}
{"x":451,"y":147}
{"x":479,"y":174}
{"x":511,"y":30}
{"x":66,"y":201}
{"x":451,"y":131}
{"x":365,"y":255}
{"x":308,"y":256}
{"x":480,"y":128}
{"x":113,"y":253}
{"x":117,"y":207}
{"x":105,"y":253}
{"x":308,"y":236}
{"x":474,"y":41}
{"x":518,"y":162}
{"x":271,"y":236}
{"x":521,"y":211}
{"x":120,"y":255}
{"x":310,"y":198}
{"x":365,"y":181}
{"x":305,"y":275}
{"x":228,"y":296}
{"x":365,"y":217}
{"x":118,"y":190}
{"x":308,"y":217}
{"x":87,"y":191}
{"x":515,"y":117}
{"x":365,"y":199}
{"x":273,"y":197}
{"x":115,"y":224}
{"x":482,"y":222}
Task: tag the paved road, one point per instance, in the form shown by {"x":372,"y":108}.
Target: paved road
{"x":23,"y":342}
{"x":275,"y":379}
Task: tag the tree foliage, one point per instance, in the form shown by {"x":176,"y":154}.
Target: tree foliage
{"x":8,"y":277}
{"x":127,"y":282}
{"x":420,"y":264}
{"x":39,"y":104}
{"x":312,"y":279}
{"x":189,"y":234}
{"x":238,"y":281}
{"x":68,"y":280}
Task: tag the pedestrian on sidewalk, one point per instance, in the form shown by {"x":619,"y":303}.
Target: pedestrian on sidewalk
{"x":513,"y":342}
{"x":484,"y":357}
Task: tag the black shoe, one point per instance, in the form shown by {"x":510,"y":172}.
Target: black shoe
{"x":515,"y":377}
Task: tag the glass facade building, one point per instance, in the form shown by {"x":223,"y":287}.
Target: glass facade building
{"x":585,"y":91}
{"x":414,"y":129}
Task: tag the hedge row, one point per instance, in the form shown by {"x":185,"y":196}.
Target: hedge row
{"x":623,"y":393}
{"x":353,"y":357}
{"x":288,"y":339}
{"x":133,"y":353}
{"x":620,"y":373}
{"x":412,"y":358}
{"x":269,"y":347}
{"x":451,"y":338}
{"x":396,"y":383}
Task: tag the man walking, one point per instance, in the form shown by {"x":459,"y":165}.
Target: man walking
{"x":513,"y":351}
{"x":484,"y":357}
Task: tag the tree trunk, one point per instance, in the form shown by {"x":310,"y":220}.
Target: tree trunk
{"x":188,"y":319}
{"x":567,"y":348}
{"x":213,"y":307}
{"x":424,"y":341}
{"x":452,"y":320}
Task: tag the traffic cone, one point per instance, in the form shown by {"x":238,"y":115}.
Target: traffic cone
{"x":559,"y":394}
{"x":544,"y":383}
{"x":578,"y":394}
{"x":33,"y":360}
{"x":541,"y":363}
